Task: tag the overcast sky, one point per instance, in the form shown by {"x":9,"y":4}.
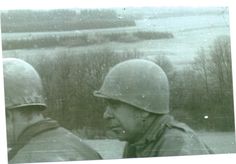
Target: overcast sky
{"x":55,"y":4}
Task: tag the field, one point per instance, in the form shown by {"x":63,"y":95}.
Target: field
{"x":219,"y":142}
{"x":190,"y":34}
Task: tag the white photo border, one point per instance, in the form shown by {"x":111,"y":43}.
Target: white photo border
{"x":40,"y":4}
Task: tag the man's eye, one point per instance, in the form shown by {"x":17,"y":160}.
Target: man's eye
{"x":113,"y":106}
{"x":113,"y":103}
{"x":106,"y":103}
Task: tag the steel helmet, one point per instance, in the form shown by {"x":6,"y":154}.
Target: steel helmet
{"x":137,"y":82}
{"x":22,"y":84}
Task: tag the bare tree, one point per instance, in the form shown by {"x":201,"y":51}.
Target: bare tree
{"x":221,"y":67}
{"x":213,"y":68}
{"x":200,"y":65}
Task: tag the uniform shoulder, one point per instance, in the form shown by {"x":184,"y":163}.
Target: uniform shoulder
{"x":179,"y":139}
{"x":178,"y":131}
{"x":55,"y":145}
{"x":179,"y":126}
{"x":73,"y":143}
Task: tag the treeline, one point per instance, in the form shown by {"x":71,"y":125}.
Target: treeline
{"x":201,"y":94}
{"x":204,"y":91}
{"x":60,"y":20}
{"x":80,"y":39}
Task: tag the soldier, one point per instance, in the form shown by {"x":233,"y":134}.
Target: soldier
{"x":30,"y":136}
{"x":137,"y":96}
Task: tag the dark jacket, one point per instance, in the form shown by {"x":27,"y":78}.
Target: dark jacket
{"x":45,"y":141}
{"x":167,"y":137}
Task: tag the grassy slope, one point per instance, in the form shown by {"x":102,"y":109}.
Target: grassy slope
{"x":220,"y":142}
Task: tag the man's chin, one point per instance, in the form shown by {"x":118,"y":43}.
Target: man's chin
{"x":9,"y":149}
{"x":120,"y":135}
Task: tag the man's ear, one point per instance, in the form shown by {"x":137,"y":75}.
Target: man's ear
{"x":145,"y":114}
{"x":9,"y":115}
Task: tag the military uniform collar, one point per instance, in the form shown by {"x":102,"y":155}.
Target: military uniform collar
{"x":153,"y":132}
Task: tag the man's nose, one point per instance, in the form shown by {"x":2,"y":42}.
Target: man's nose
{"x":108,"y":113}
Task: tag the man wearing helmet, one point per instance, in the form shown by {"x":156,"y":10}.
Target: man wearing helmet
{"x":30,"y":136}
{"x":137,"y":96}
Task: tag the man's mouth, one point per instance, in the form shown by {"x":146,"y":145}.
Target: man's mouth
{"x":114,"y":127}
{"x":117,"y":129}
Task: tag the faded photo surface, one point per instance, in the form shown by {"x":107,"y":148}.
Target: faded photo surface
{"x":114,"y":83}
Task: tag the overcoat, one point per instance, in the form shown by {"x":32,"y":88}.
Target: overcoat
{"x":46,"y":141}
{"x":167,"y":137}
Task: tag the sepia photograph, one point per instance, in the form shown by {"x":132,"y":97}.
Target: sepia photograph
{"x":116,"y":82}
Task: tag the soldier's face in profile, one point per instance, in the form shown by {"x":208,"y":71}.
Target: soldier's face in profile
{"x":124,"y":120}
